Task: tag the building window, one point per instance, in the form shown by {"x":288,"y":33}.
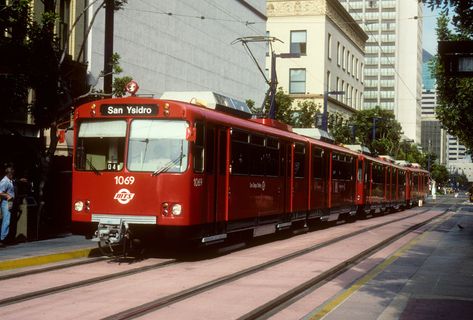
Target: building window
{"x":296,"y":80}
{"x":344,"y":58}
{"x":64,"y":20}
{"x":353,"y":66}
{"x":267,"y":44}
{"x":356,"y":70}
{"x":299,"y":42}
{"x":339,"y":54}
{"x":348,"y":61}
{"x":328,"y":81}
{"x":329,"y":46}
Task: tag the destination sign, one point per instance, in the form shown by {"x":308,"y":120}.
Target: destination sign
{"x":129,"y":109}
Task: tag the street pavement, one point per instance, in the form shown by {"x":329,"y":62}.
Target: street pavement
{"x":431,"y":279}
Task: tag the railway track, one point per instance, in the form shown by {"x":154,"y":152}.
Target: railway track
{"x":275,"y":303}
{"x":196,"y":290}
{"x":74,"y":285}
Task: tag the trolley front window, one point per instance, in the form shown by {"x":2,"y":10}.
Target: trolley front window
{"x":100,"y":145}
{"x":158,"y":146}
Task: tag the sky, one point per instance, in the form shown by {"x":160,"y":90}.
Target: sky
{"x":429,"y":37}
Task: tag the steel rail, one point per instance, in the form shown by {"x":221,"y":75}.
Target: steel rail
{"x":51,"y":268}
{"x":271,"y":307}
{"x":87,"y":282}
{"x":193,"y":291}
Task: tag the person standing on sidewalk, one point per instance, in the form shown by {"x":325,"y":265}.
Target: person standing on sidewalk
{"x":7,"y":193}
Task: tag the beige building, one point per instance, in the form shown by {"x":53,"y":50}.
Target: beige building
{"x":331,"y":47}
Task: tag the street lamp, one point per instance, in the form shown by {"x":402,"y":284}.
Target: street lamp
{"x":324,"y":115}
{"x":274,"y":80}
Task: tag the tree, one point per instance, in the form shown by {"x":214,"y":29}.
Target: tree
{"x":387,"y":131}
{"x":454,"y":94}
{"x":284,"y":112}
{"x":462,"y":18}
{"x":119,"y":83}
{"x":306,"y":114}
{"x":35,"y":63}
{"x":411,"y":153}
{"x":440,"y":174}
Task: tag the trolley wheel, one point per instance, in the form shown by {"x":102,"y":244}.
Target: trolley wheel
{"x":110,"y":250}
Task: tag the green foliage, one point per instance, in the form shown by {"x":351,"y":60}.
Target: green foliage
{"x":119,"y":83}
{"x":251,"y":104}
{"x":454,"y":94}
{"x":284,"y":111}
{"x":387,"y":130}
{"x":342,"y":133}
{"x":411,"y":152}
{"x":462,"y":14}
{"x":440,"y":174}
{"x":306,"y":114}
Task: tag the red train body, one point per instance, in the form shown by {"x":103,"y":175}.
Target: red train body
{"x":168,"y":167}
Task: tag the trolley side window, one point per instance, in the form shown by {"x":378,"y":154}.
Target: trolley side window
{"x":342,"y":167}
{"x":272,"y":157}
{"x":198,"y":151}
{"x":240,"y":148}
{"x":210,"y":150}
{"x":299,"y":160}
{"x":318,"y":163}
{"x":158,"y":146}
{"x":100,"y":145}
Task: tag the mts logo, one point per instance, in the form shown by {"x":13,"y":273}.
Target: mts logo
{"x":124,"y":196}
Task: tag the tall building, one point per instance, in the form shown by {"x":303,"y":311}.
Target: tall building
{"x":393,"y":61}
{"x":434,"y":137}
{"x":185,"y":45}
{"x":331,"y":47}
{"x":448,"y":148}
{"x":456,"y":151}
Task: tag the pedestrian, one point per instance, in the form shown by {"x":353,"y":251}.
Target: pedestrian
{"x":7,"y":193}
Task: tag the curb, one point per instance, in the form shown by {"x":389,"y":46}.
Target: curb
{"x":45,"y":259}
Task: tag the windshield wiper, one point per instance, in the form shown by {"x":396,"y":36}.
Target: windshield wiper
{"x":169,"y":165}
{"x":94,"y":169}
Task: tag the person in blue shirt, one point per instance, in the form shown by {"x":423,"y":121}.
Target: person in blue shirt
{"x":7,"y":193}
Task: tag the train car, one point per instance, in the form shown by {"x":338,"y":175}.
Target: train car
{"x":147,"y":168}
{"x":417,"y":186}
{"x":384,"y":185}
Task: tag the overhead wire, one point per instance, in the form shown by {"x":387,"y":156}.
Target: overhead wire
{"x":183,"y":18}
{"x":383,"y":52}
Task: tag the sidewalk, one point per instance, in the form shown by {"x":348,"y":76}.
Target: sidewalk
{"x":45,"y":251}
{"x":431,"y":280}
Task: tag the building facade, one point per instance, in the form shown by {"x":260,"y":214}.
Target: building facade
{"x":433,"y":137}
{"x":185,"y":46}
{"x":331,"y":48}
{"x":448,"y":148}
{"x":393,"y":61}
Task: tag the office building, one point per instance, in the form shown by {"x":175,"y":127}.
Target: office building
{"x":393,"y":60}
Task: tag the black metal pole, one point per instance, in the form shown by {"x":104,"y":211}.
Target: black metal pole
{"x":108,"y":46}
{"x":273,"y":88}
{"x":325,"y":112}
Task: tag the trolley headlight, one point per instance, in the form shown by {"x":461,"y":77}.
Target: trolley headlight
{"x":176,"y":210}
{"x":79,"y":206}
